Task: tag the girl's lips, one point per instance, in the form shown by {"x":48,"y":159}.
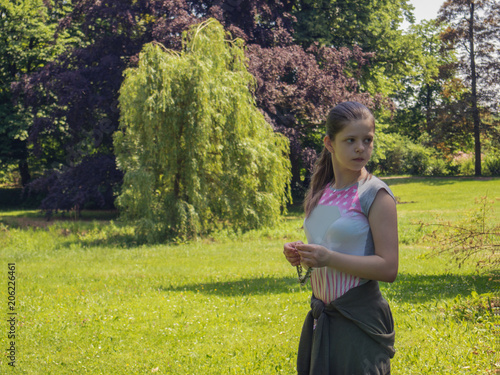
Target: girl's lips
{"x":359,"y":159}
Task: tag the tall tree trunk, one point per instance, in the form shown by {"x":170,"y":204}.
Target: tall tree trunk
{"x":298,"y":190}
{"x":428,"y":109}
{"x":24,"y":172}
{"x":23,"y":166}
{"x":475,"y":110}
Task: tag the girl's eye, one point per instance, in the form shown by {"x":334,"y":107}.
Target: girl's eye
{"x":368,"y":140}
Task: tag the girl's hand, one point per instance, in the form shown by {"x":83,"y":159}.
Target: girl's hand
{"x":314,"y":256}
{"x":291,"y":253}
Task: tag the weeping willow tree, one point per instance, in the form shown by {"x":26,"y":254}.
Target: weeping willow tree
{"x":196,"y":152}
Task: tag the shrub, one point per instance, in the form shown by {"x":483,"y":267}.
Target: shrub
{"x":9,"y":174}
{"x":490,"y":165}
{"x":437,"y":167}
{"x":417,"y":159}
{"x":466,"y":167}
{"x":492,"y":162}
{"x":402,"y":156}
{"x":91,"y":184}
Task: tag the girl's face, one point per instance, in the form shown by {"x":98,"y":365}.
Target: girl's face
{"x":352,"y":147}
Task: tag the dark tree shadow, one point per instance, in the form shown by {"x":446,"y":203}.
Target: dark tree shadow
{"x":407,"y":288}
{"x":121,"y":240}
{"x":423,"y":288}
{"x":249,"y":286}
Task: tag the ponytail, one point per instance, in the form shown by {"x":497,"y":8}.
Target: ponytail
{"x":321,"y":177}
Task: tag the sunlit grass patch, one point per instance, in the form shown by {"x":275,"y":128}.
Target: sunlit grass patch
{"x":93,"y":301}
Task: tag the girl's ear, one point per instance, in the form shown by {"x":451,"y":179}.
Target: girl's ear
{"x":328,"y":143}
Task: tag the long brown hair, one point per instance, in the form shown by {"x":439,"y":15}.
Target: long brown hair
{"x":323,"y":174}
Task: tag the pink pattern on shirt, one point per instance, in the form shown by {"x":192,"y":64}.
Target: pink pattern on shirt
{"x":329,"y":284}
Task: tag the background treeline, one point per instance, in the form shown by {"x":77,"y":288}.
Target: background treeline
{"x":434,"y":86}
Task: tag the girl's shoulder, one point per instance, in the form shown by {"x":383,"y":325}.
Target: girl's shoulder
{"x":368,"y":190}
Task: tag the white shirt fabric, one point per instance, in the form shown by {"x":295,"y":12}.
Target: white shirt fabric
{"x":340,"y":223}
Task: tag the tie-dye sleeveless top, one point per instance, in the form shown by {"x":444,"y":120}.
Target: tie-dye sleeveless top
{"x":340,"y":223}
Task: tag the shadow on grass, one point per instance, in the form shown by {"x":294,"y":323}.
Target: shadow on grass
{"x":121,"y":241}
{"x":423,"y":288}
{"x":23,"y":219}
{"x":257,"y":286}
{"x":407,"y":288}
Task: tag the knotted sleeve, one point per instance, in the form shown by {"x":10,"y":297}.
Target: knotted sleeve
{"x":353,"y":335}
{"x":314,"y":344}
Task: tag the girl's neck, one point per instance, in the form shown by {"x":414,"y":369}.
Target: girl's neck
{"x":343,"y":180}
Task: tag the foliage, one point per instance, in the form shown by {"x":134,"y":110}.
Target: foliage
{"x":397,"y":154}
{"x":78,"y":92}
{"x":438,"y":167}
{"x":10,"y":197}
{"x":66,"y":109}
{"x":475,"y":24}
{"x":297,"y":83}
{"x":424,"y":93}
{"x":473,"y":28}
{"x":466,"y":166}
{"x":375,"y":27}
{"x":296,"y":88}
{"x":73,"y":100}
{"x":402,"y":156}
{"x":91,"y":184}
{"x":474,"y":237}
{"x":492,"y":164}
{"x":195,"y":150}
{"x":9,"y":174}
{"x":29,"y":39}
{"x":13,"y":197}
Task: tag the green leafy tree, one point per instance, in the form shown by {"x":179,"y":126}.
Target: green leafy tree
{"x":473,"y":30}
{"x":426,"y":97}
{"x":374,"y":26}
{"x":196,"y":152}
{"x":28,"y":41}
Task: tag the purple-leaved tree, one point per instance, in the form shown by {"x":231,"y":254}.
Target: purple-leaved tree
{"x":74,"y":99}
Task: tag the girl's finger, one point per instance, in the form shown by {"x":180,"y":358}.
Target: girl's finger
{"x":304,"y":252}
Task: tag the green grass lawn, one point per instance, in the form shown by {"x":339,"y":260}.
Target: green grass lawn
{"x":91,"y":300}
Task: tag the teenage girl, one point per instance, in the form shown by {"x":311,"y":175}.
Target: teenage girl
{"x":351,"y":229}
